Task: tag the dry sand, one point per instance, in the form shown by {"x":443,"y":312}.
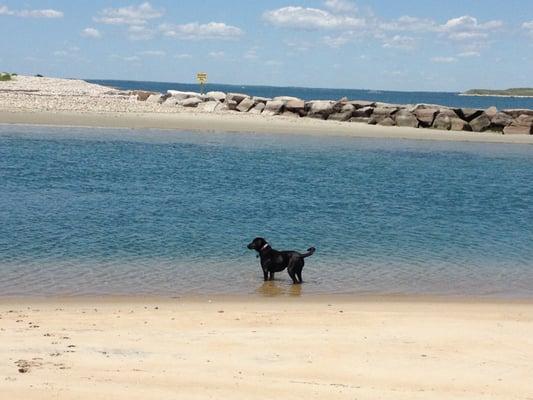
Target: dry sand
{"x":265,"y":348}
{"x":52,"y":101}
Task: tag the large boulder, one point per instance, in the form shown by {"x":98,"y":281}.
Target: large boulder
{"x":515,"y":113}
{"x":286,"y":98}
{"x":246,"y":104}
{"x":381,"y":113}
{"x":362,"y":103}
{"x":481,"y":123}
{"x":426,"y":116}
{"x":405,"y":118}
{"x":154,"y":98}
{"x":388,"y":121}
{"x":258,"y":108}
{"x":178,"y":94}
{"x":468,"y":114}
{"x":458,"y":124}
{"x":258,"y":99}
{"x":501,"y":120}
{"x":321,"y":108}
{"x":190,"y":102}
{"x":491,"y":112}
{"x":171,"y":102}
{"x":295,"y":105}
{"x":273,"y":107}
{"x":237,"y":97}
{"x":208,"y":106}
{"x":142,"y":95}
{"x":340,"y":116}
{"x":216,"y":96}
{"x":363,"y":112}
{"x":442,"y":122}
{"x":522,"y":125}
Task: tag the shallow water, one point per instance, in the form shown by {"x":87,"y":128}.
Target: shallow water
{"x":94,"y":211}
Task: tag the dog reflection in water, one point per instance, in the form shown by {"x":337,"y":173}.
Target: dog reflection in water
{"x":274,"y":289}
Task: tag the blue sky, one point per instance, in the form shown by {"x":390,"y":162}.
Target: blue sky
{"x":375,"y":44}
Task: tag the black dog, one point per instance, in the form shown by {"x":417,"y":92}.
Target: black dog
{"x":276,"y":261}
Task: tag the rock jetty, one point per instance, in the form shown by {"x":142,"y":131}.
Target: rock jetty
{"x":512,"y":121}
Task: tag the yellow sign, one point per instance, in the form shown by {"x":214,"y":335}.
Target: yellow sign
{"x":201,"y":77}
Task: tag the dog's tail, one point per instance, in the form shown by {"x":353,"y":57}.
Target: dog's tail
{"x":310,"y":252}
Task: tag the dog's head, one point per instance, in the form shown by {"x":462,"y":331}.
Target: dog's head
{"x":257,"y":244}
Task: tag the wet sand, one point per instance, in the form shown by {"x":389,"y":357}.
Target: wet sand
{"x":323,"y":347}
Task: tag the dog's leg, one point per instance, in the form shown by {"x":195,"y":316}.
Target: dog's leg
{"x":299,"y":275}
{"x":290,"y":270}
{"x":271,"y":276}
{"x":265,"y":275}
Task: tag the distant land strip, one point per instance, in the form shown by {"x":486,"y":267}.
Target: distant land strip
{"x":513,"y":92}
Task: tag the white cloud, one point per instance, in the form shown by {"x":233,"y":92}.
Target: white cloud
{"x":310,"y":19}
{"x":466,"y":54}
{"x":274,"y":63}
{"x":140,"y":32}
{"x":399,"y":42}
{"x":528,"y":26}
{"x":129,"y":59}
{"x":444,"y":60}
{"x":196,"y":31}
{"x":340,"y":6}
{"x":91,"y":33}
{"x":251,"y":54}
{"x":183,"y":56}
{"x":216,"y":54}
{"x":154,"y":53}
{"x":132,"y":15}
{"x":409,"y":24}
{"x":468,"y":28}
{"x":46,"y":13}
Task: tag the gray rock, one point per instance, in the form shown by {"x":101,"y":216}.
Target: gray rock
{"x":347,"y":108}
{"x":258,"y":108}
{"x":480,"y":123}
{"x":142,"y":95}
{"x":362,"y":103}
{"x":458,"y":124}
{"x":448,"y":112}
{"x":258,"y":99}
{"x":216,"y":96}
{"x":362,"y":120}
{"x":245,"y":105}
{"x":425,"y":116}
{"x":442,"y":122}
{"x":388,"y":121}
{"x":171,"y":102}
{"x":518,"y":130}
{"x":468,"y":114}
{"x":183,"y":95}
{"x":154,"y":98}
{"x":491,"y":112}
{"x":321,"y":108}
{"x":363,"y":112}
{"x":381,"y":113}
{"x":286,"y":98}
{"x":405,"y":118}
{"x":340,"y":116}
{"x":501,"y":120}
{"x":295,"y":105}
{"x":190,"y":102}
{"x":515,"y":113}
{"x":237,"y":97}
{"x":208,"y":106}
{"x":273,"y":107}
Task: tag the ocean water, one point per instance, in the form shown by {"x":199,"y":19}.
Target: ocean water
{"x":450,"y":99}
{"x":127,"y":212}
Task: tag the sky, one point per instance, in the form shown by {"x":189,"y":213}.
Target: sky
{"x":425,"y":45}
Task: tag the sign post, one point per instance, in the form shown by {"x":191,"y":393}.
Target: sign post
{"x":201,"y":77}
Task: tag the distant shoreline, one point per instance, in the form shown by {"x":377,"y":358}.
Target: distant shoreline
{"x":494,"y":95}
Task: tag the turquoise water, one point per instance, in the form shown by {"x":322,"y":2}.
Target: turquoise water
{"x":94,"y":211}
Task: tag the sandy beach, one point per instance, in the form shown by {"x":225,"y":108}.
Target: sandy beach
{"x":62,"y":102}
{"x":262,"y":348}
